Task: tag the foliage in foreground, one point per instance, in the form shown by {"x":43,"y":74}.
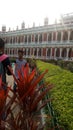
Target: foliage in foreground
{"x":22,"y":108}
{"x":62,"y":92}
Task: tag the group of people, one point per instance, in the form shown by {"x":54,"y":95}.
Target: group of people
{"x":5,"y":61}
{"x":4,"y":69}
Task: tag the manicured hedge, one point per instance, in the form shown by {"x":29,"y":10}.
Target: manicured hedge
{"x":62,"y":92}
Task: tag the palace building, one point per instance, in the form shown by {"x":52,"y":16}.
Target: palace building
{"x":50,"y":41}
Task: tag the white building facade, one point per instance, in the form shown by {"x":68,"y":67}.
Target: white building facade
{"x":44,"y":42}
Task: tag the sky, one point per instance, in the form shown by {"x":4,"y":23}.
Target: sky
{"x":14,"y":12}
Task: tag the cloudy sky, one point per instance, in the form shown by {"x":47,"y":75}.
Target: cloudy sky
{"x":14,"y":12}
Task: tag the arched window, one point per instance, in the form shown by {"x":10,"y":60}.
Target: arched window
{"x":29,"y":38}
{"x":32,"y":38}
{"x":25,"y":38}
{"x":70,"y":53}
{"x":65,"y":36}
{"x":49,"y":52}
{"x":57,"y":52}
{"x":39,"y":52}
{"x":54,"y":36}
{"x":35,"y":52}
{"x":49,"y":37}
{"x":64,"y":52}
{"x":25,"y":52}
{"x":11,"y":40}
{"x":71,"y":35}
{"x":28,"y":51}
{"x":45,"y":36}
{"x":10,"y":52}
{"x":59,"y":36}
{"x":19,"y":40}
{"x":36,"y":38}
{"x":40,"y":38}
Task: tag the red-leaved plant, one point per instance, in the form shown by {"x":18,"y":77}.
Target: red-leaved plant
{"x":23,"y":107}
{"x":30,"y":95}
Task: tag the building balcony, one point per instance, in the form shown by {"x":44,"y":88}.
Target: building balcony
{"x":42,"y":44}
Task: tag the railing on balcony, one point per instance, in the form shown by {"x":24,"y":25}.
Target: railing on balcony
{"x":42,"y":44}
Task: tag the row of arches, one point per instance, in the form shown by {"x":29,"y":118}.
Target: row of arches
{"x":43,"y":52}
{"x":40,"y":37}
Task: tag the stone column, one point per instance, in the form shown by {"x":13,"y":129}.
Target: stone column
{"x":42,"y":37}
{"x":47,"y":37}
{"x":51,"y":54}
{"x":12,"y":40}
{"x":56,"y":35}
{"x":68,"y":36}
{"x":67,"y":52}
{"x":9,"y":39}
{"x":23,"y":38}
{"x":30,"y":51}
{"x":52,"y":37}
{"x":42,"y":52}
{"x":72,"y":54}
{"x":17,"y":39}
{"x":46,"y":52}
{"x":38,"y":38}
{"x":31,"y":38}
{"x":27,"y":39}
{"x":34,"y":38}
{"x":60,"y":52}
{"x":55,"y":53}
{"x":37,"y":52}
{"x":61,"y":36}
{"x":26,"y":52}
{"x":33,"y":51}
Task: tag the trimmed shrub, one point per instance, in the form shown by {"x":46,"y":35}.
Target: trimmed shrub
{"x":62,"y":93}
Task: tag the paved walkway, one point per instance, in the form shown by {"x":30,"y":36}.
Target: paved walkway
{"x":10,"y":79}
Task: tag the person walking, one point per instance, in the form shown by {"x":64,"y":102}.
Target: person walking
{"x":18,"y":65}
{"x":4,"y":62}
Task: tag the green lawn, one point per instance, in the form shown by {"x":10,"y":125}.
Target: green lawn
{"x":62,"y":92}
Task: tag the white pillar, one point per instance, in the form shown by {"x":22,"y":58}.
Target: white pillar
{"x":67,"y":52}
{"x":42,"y":37}
{"x":55,"y":52}
{"x":46,"y":52}
{"x":60,"y":52}
{"x":33,"y":51}
{"x":42,"y":52}
{"x":17,"y":39}
{"x":56,"y":35}
{"x":38,"y":38}
{"x":71,"y":55}
{"x":30,"y":51}
{"x":52,"y":37}
{"x":12,"y":40}
{"x":51,"y":54}
{"x":31,"y":38}
{"x":27,"y":39}
{"x":47,"y":37}
{"x":26,"y":52}
{"x":68,"y":35}
{"x":34,"y":37}
{"x":24,"y":38}
{"x":61,"y":36}
{"x":37,"y":52}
